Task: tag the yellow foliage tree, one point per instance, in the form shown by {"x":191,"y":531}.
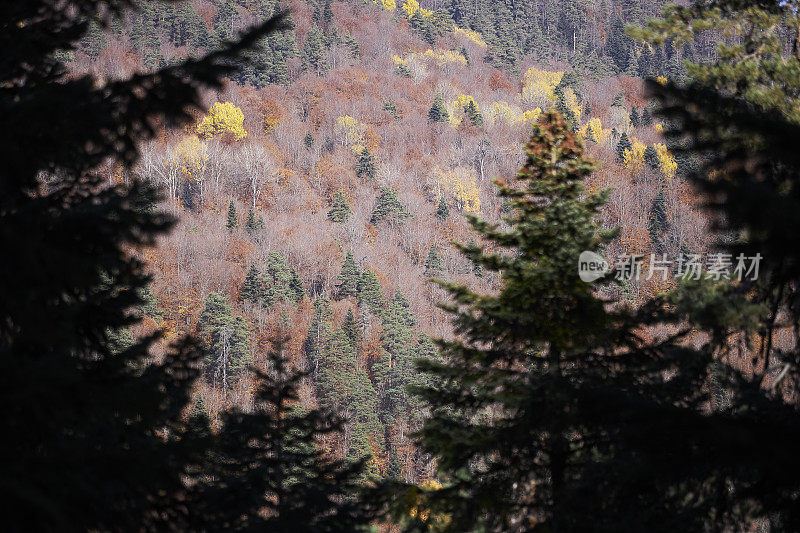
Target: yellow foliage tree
{"x":223,"y":117}
{"x":633,"y":158}
{"x":538,"y":86}
{"x":460,"y":183}
{"x":571,"y":101}
{"x":473,"y":36}
{"x":666,"y":163}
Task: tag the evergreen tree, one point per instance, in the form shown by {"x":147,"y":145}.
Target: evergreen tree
{"x":313,"y":53}
{"x":577,"y":405}
{"x":96,"y":439}
{"x":442,"y":210}
{"x":225,"y":338}
{"x":647,"y":118}
{"x":281,"y":283}
{"x":253,"y":224}
{"x":319,"y":332}
{"x":438,"y":112}
{"x":474,"y":116}
{"x":369,"y":292}
{"x":651,"y":157}
{"x":635,"y":119}
{"x":365,"y":167}
{"x":340,"y":210}
{"x":433,"y":265}
{"x":388,"y":207}
{"x":623,"y":144}
{"x":232,"y":220}
{"x":350,"y":327}
{"x":252,"y":288}
{"x":657,"y":219}
{"x":348,"y":278}
{"x":275,"y":476}
{"x":353,"y":46}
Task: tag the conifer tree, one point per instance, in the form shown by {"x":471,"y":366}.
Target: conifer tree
{"x":253,"y":224}
{"x":350,"y":327}
{"x":474,"y":116}
{"x":365,"y":167}
{"x":647,"y":118}
{"x":433,"y":265}
{"x":313,"y":53}
{"x":651,"y":157}
{"x":281,"y":283}
{"x":319,"y":332}
{"x":369,"y":292}
{"x":273,"y":475}
{"x":232,"y":220}
{"x":438,"y":112}
{"x":657,"y":219}
{"x":388,"y":208}
{"x":226,"y":341}
{"x":252,"y":289}
{"x":623,"y":144}
{"x":348,"y":278}
{"x":340,"y":209}
{"x":442,"y":210}
{"x":635,"y":119}
{"x":577,"y":405}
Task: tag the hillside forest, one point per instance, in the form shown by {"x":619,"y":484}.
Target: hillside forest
{"x":373,"y":208}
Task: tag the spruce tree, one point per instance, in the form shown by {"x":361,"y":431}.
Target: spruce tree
{"x":577,"y":405}
{"x":647,"y":118}
{"x":252,"y":289}
{"x":369,"y":292}
{"x":365,"y":167}
{"x":623,"y":144}
{"x":226,"y":341}
{"x":253,"y":224}
{"x":473,"y":115}
{"x":96,"y":440}
{"x":651,"y":157}
{"x":442,"y":210}
{"x":433,"y":265}
{"x":657,"y":219}
{"x":313,"y":52}
{"x":232,"y":220}
{"x":275,"y":475}
{"x":438,"y":112}
{"x":319,"y":332}
{"x":340,"y":209}
{"x":635,"y":119}
{"x":350,"y":327}
{"x":388,"y":208}
{"x":348,"y":278}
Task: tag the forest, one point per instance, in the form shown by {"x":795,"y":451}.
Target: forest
{"x":314,"y":265}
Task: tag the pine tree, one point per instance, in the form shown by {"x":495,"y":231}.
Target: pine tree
{"x":340,"y":209}
{"x":365,"y":167}
{"x":388,"y":208}
{"x":651,"y":157}
{"x":369,"y":292}
{"x":96,"y":440}
{"x":442,"y":210}
{"x":657,"y":219}
{"x":232,"y":221}
{"x":438,"y":112}
{"x":647,"y":118}
{"x":252,"y":289}
{"x":281,"y":283}
{"x":313,"y":53}
{"x":348,"y":278}
{"x":253,"y":224}
{"x":433,"y":265}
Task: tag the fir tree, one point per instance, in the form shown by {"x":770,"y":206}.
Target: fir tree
{"x":433,"y":265}
{"x":474,"y":116}
{"x":438,"y":112}
{"x":350,"y":327}
{"x":635,"y":119}
{"x":369,"y":292}
{"x":319,"y":332}
{"x":388,"y":207}
{"x":232,"y":220}
{"x":348,"y":278}
{"x":442,"y":210}
{"x":657,"y":219}
{"x":647,"y":118}
{"x":313,"y":53}
{"x":253,"y":224}
{"x":651,"y":157}
{"x":252,"y":289}
{"x":225,"y":337}
{"x":623,"y":144}
{"x":340,"y":209}
{"x":365,"y":167}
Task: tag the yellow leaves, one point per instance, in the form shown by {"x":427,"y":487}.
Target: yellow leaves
{"x":659,"y":127}
{"x":461,"y":184}
{"x":353,"y":132}
{"x":633,"y":158}
{"x":661,"y":80}
{"x":571,"y":101}
{"x":473,"y":36}
{"x":389,"y":5}
{"x":666,"y":162}
{"x":223,"y":117}
{"x":538,"y":86}
{"x":440,"y":57}
{"x":511,"y":114}
{"x":594,"y":130}
{"x":191,"y":156}
{"x":455,"y":109}
{"x":412,"y":6}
